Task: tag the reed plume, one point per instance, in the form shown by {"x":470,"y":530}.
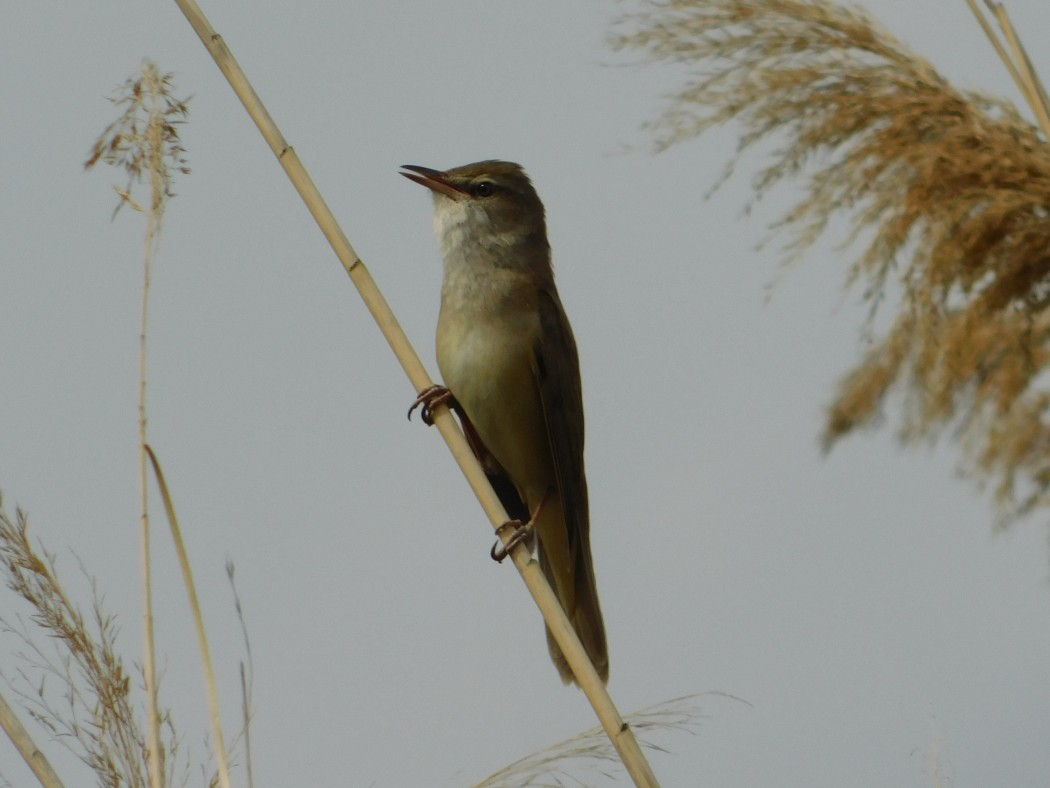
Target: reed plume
{"x":947,"y":192}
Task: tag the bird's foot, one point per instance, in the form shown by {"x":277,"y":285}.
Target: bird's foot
{"x":522,"y":531}
{"x":429,"y":398}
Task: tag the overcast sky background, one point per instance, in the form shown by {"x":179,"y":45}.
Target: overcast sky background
{"x":860,"y":603}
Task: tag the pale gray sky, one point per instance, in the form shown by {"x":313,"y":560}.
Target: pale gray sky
{"x":860,"y":603}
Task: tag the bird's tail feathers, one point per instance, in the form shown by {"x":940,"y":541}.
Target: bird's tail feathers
{"x":580,"y":602}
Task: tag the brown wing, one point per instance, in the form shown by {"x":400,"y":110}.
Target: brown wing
{"x":557,"y":370}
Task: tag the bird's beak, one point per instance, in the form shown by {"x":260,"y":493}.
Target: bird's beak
{"x":435,"y":180}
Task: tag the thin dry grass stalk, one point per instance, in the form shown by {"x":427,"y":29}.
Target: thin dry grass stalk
{"x":1016,"y":61}
{"x":247,"y":675}
{"x":221,"y":757}
{"x":950,"y":190}
{"x":91,"y":711}
{"x":144,"y":143}
{"x":31,"y":754}
{"x":588,"y":754}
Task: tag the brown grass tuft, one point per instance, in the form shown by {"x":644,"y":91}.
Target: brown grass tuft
{"x":950,"y":190}
{"x":76,"y":686}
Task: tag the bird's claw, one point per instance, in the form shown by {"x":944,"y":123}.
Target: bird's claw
{"x":522,"y":531}
{"x":429,"y":398}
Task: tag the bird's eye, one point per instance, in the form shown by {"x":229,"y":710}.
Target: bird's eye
{"x":484,"y":189}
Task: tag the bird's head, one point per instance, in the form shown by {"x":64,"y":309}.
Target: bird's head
{"x":489,"y":204}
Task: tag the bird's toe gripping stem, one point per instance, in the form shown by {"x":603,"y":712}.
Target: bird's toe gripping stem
{"x":429,"y":398}
{"x":522,"y":531}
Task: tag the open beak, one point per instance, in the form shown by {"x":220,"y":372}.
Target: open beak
{"x":435,"y":180}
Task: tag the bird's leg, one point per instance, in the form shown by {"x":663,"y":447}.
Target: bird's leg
{"x":522,"y":531}
{"x":430,"y":398}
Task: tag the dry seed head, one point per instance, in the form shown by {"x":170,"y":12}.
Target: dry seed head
{"x":144,"y":140}
{"x":950,"y":190}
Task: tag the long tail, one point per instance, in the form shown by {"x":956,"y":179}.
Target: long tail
{"x":578,"y":593}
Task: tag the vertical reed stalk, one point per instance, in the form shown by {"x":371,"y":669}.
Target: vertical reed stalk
{"x":144,"y":142}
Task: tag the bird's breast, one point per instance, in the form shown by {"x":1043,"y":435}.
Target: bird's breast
{"x":485,"y":348}
{"x":484,"y":339}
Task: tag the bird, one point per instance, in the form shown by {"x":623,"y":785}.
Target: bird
{"x":509,"y":360}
